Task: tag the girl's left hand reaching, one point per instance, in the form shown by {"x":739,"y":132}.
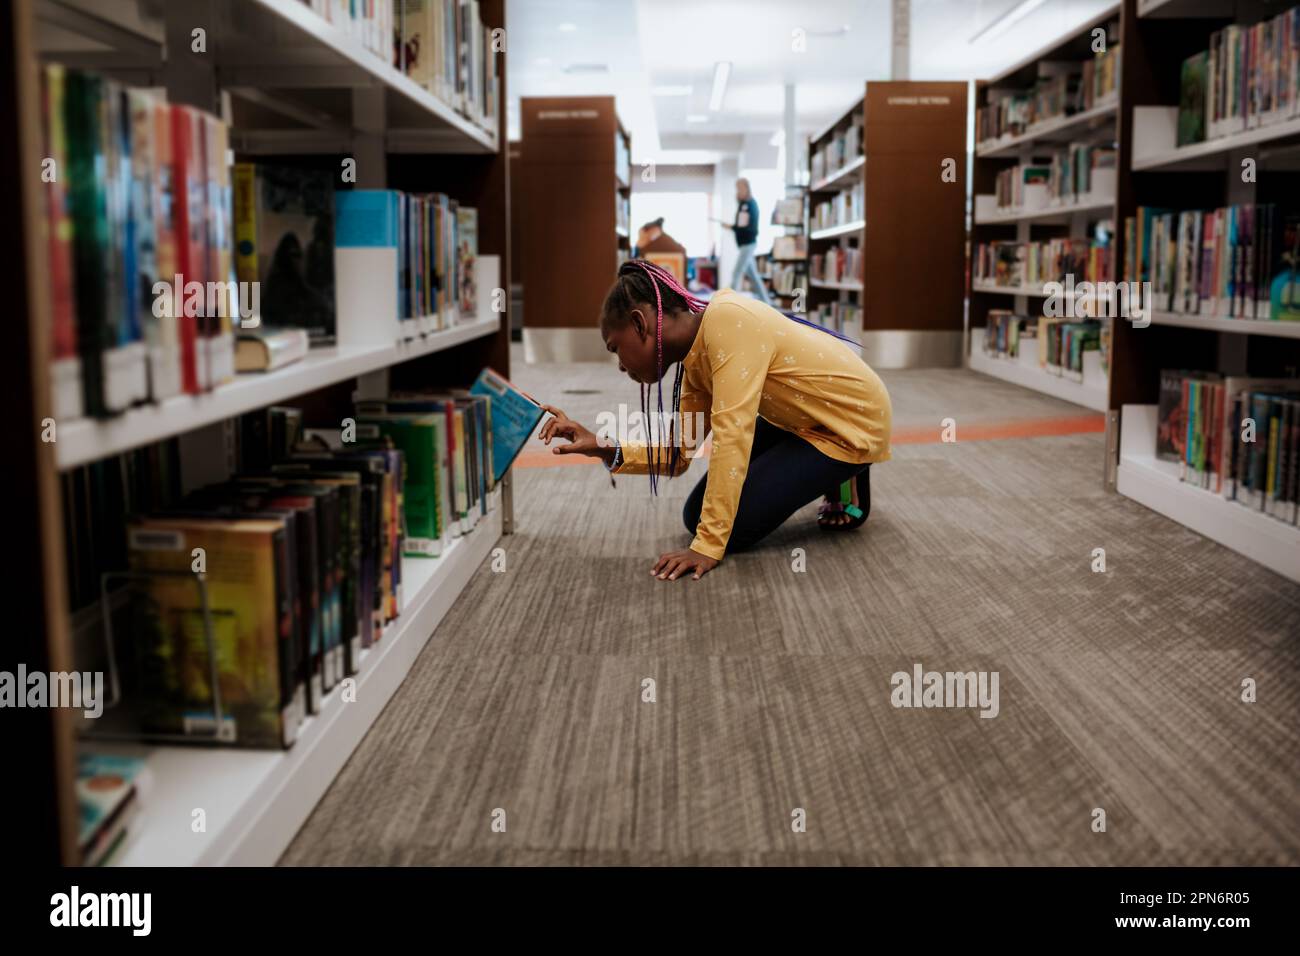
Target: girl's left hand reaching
{"x":676,"y":564}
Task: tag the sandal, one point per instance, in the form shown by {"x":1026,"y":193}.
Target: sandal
{"x":857,"y":514}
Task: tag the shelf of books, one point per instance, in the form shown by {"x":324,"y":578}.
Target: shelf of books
{"x":785,"y":268}
{"x":1205,"y":390}
{"x":254,"y":801}
{"x":1045,"y":197}
{"x":262,"y":361}
{"x":836,"y":212}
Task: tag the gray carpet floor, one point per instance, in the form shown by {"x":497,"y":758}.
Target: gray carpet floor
{"x":1119,"y":691}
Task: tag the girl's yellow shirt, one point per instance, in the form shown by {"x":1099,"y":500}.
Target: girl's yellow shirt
{"x":748,"y":360}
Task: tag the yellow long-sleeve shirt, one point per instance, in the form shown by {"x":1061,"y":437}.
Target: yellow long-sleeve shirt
{"x":750,"y":360}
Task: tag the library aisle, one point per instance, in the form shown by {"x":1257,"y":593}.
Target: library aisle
{"x":1117,"y":688}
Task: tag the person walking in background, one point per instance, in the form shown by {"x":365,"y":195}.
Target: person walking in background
{"x":746,"y":230}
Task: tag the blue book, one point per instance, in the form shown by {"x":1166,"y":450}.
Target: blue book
{"x":514,"y":417}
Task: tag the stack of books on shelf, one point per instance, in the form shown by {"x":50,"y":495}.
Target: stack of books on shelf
{"x":842,"y":317}
{"x":443,"y":46}
{"x":1239,"y":261}
{"x":839,"y":264}
{"x":110,"y":790}
{"x":1235,"y":436}
{"x":1248,"y":78}
{"x":1022,"y":187}
{"x":1059,"y":345}
{"x":788,"y":212}
{"x":1067,"y":89}
{"x":845,"y":207}
{"x":274,"y":581}
{"x":844,"y":146}
{"x":1033,"y":264}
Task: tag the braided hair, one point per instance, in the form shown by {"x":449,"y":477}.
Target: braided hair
{"x":641,"y":281}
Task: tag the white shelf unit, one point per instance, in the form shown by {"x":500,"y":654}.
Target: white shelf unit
{"x":1053,"y":130}
{"x":830,"y":232}
{"x":87,"y":439}
{"x":1063,"y":211}
{"x":840,"y":286}
{"x":286,"y":59}
{"x":254,"y":801}
{"x":1219,"y":323}
{"x":1155,"y":133}
{"x":1170,"y":9}
{"x":1024,"y":370}
{"x":844,"y":177}
{"x":990,"y":289}
{"x":1154,"y":483}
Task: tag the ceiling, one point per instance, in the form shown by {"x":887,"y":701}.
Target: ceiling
{"x":628,"y":48}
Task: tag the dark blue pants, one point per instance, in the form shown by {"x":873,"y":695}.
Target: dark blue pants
{"x":785,"y":473}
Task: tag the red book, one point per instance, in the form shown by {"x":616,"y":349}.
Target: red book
{"x":191,"y":238}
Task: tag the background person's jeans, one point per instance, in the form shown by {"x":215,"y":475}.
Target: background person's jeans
{"x":745,"y":266}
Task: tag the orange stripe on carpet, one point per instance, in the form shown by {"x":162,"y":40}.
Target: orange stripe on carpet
{"x":930,"y":435}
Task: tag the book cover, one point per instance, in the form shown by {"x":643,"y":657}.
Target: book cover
{"x":514,"y":418}
{"x":1191,"y":99}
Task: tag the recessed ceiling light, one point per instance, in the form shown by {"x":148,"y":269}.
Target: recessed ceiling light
{"x":669,"y":90}
{"x":697,"y":118}
{"x":568,"y":27}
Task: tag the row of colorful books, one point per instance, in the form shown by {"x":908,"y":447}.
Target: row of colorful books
{"x":1020,"y":264}
{"x":301,"y":555}
{"x":1236,"y":436}
{"x":162,"y":255}
{"x":441,"y":44}
{"x":842,"y":317}
{"x":430,"y":243}
{"x":137,"y":192}
{"x":848,"y":205}
{"x":1058,"y":344}
{"x":845,"y":145}
{"x":1068,"y":89}
{"x":1240,"y":261}
{"x":1249,"y":77}
{"x":841,"y":263}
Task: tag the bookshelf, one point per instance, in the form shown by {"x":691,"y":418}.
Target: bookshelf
{"x":784,"y":268}
{"x":1040,"y":217}
{"x":1157,"y":37}
{"x":290,"y":84}
{"x":862,"y":171}
{"x":575,"y":189}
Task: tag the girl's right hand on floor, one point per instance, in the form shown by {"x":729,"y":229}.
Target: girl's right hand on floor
{"x":581,"y":441}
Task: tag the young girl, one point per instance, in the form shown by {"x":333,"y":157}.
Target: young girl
{"x":793,"y":411}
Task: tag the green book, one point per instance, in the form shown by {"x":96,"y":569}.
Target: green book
{"x":1191,"y":99}
{"x":416,"y":437}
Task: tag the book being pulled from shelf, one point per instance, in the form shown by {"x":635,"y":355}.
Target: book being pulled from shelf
{"x":1249,"y":77}
{"x":1239,"y":261}
{"x":1034,"y":264}
{"x":1237,"y":436}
